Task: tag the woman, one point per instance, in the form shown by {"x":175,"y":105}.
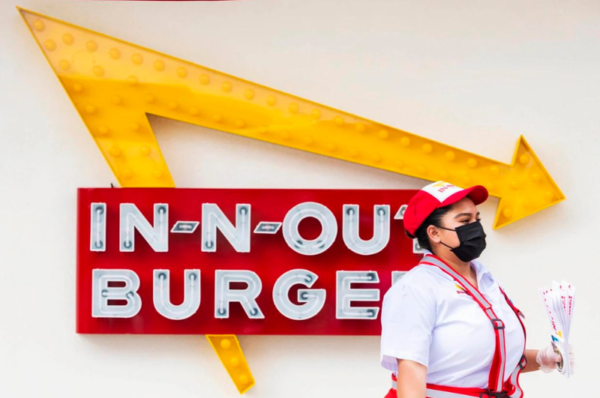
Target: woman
{"x":448,"y":328}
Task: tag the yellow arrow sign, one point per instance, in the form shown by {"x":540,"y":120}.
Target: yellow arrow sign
{"x":114,"y":84}
{"x":128,"y":148}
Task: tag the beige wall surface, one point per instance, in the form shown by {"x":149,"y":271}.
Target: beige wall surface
{"x":473,"y":74}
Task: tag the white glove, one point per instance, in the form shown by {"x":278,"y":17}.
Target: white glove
{"x":548,"y":359}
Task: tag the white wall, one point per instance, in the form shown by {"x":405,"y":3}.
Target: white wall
{"x":474,"y":74}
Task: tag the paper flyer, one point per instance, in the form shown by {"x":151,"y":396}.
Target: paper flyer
{"x":559,"y":302}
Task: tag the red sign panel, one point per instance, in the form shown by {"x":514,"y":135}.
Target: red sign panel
{"x":238,"y":261}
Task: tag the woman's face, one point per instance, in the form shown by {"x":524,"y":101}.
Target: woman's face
{"x":461,"y":213}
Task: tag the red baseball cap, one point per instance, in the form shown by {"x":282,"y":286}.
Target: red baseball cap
{"x":438,"y":194}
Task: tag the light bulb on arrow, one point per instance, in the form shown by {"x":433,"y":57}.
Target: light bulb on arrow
{"x":114,"y":85}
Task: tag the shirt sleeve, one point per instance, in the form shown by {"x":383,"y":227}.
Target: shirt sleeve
{"x":408,"y":316}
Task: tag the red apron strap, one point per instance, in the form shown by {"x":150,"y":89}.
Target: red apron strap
{"x":514,"y":378}
{"x":496,"y":377}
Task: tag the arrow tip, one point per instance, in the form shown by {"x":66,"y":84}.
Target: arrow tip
{"x":36,"y":25}
{"x":24,"y":11}
{"x":530,"y":187}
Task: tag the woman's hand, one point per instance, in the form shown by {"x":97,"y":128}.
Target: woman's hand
{"x":548,"y":359}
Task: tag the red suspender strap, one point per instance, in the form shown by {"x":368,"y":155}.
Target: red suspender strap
{"x":496,"y":378}
{"x":514,"y":378}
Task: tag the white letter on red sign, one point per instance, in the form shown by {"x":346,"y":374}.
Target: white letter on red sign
{"x":238,"y":236}
{"x":98,"y":227}
{"x":131,"y":219}
{"x":102,"y":293}
{"x":314,"y":299}
{"x":247,"y":297}
{"x":304,"y":246}
{"x":191,"y":296}
{"x":345,"y":295}
{"x":381,"y":230}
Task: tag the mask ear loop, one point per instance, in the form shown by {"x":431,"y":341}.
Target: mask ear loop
{"x":449,"y":247}
{"x":447,"y":228}
{"x":476,"y":220}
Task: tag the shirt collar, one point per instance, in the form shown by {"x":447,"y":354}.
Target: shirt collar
{"x":480,"y":269}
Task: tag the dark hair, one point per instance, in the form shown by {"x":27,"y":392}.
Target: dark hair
{"x":435,"y":218}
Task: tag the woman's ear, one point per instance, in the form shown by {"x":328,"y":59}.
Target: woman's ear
{"x":434,"y":234}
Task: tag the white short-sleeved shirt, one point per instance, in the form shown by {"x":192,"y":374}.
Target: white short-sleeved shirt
{"x":425,"y":317}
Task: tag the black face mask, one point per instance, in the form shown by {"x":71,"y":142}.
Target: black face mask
{"x":472,"y":241}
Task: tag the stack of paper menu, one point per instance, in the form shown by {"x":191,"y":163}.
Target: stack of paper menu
{"x":559,"y":301}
